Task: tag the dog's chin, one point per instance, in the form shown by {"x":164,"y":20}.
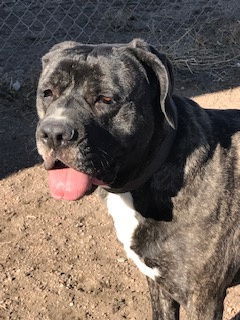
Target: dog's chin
{"x":67,"y":182}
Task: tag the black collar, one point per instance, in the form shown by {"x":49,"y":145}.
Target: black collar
{"x":142,"y":175}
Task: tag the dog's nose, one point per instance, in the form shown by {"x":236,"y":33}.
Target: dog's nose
{"x":56,"y":134}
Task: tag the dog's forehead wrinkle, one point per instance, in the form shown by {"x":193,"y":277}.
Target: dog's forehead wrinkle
{"x":47,"y":71}
{"x":79,"y":51}
{"x":96,"y":73}
{"x":53,"y":75}
{"x":67,"y":73}
{"x":108,"y":64}
{"x":85,"y":71}
{"x":101,"y":51}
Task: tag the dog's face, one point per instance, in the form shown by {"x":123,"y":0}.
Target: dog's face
{"x":99,"y":106}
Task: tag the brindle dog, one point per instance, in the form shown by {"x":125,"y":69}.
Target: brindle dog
{"x":170,"y":169}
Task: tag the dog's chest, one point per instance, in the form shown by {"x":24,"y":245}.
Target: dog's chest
{"x":126,"y":221}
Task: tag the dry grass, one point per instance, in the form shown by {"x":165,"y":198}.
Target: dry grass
{"x":215,"y":47}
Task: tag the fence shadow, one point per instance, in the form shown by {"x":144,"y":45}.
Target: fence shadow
{"x":17,"y":133}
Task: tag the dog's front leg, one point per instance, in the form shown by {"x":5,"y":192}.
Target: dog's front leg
{"x":207,"y":307}
{"x":163,"y":306}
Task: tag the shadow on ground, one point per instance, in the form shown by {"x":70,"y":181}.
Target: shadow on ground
{"x":17,"y":129}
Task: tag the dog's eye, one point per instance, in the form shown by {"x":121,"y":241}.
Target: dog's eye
{"x":47,"y":93}
{"x":104,"y":99}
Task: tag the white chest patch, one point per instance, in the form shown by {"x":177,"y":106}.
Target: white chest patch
{"x":126,"y":220}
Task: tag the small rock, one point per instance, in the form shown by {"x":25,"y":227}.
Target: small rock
{"x":229,"y":309}
{"x":15,"y":85}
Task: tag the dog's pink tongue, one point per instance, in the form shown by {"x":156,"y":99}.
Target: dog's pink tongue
{"x":68,"y":184}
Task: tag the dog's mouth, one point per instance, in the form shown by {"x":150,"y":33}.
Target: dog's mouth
{"x":68,"y":183}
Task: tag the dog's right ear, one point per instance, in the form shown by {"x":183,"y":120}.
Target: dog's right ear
{"x":161,"y":66}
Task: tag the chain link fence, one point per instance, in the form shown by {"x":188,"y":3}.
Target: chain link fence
{"x":197,"y":35}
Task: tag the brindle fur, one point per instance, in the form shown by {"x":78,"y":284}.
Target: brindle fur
{"x":180,"y":162}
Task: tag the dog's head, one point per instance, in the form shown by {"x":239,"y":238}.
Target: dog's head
{"x":101,"y":108}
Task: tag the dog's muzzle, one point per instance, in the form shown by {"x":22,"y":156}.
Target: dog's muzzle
{"x":58,"y":143}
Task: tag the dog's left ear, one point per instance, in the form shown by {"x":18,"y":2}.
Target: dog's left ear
{"x":162,"y":68}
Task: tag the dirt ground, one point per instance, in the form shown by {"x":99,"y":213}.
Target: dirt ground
{"x":61,"y":260}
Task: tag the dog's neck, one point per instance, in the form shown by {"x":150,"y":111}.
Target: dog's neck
{"x":165,"y":164}
{"x":146,"y":170}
